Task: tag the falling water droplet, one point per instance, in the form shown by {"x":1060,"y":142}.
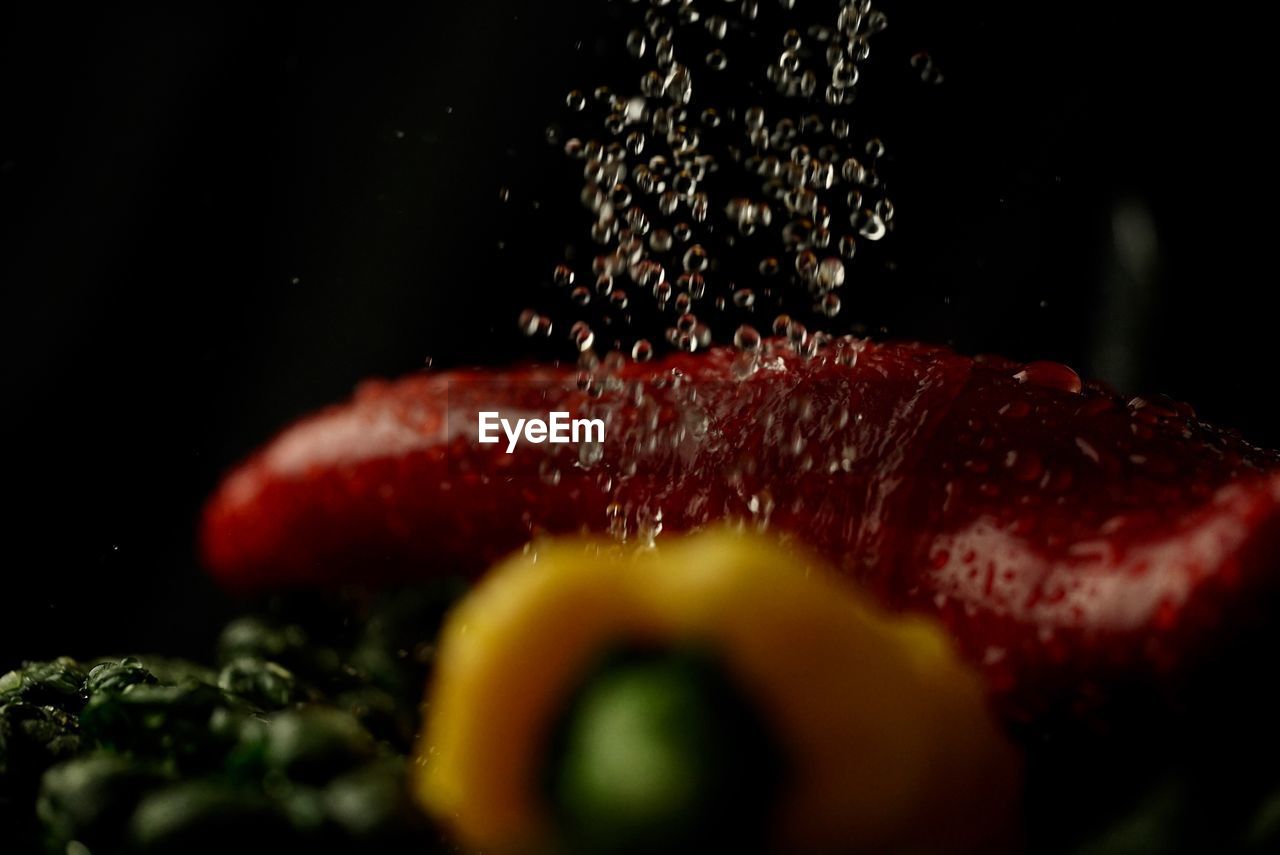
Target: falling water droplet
{"x":563,"y":275}
{"x":746,"y":338}
{"x":642,"y":351}
{"x":581,"y":335}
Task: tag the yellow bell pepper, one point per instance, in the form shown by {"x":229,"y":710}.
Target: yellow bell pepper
{"x":884,"y":731}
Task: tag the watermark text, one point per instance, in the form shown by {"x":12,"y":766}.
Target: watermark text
{"x":558,"y":428}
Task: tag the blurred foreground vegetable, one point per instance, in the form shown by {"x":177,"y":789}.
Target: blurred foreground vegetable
{"x":718,"y":688}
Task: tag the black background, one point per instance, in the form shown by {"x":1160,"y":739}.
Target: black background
{"x":214,"y":219}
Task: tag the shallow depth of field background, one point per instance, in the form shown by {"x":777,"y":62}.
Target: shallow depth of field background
{"x":213,"y":220}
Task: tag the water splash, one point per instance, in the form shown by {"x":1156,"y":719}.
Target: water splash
{"x":714,"y":205}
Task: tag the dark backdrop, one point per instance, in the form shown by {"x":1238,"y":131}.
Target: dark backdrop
{"x":214,"y":219}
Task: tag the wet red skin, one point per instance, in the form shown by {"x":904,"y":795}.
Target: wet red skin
{"x":1063,"y":535}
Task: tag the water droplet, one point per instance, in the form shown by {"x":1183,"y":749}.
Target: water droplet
{"x":923,"y":63}
{"x":700,"y":207}
{"x":746,"y":338}
{"x":693,"y":283}
{"x":844,"y":75}
{"x":1015,"y":409}
{"x":872,"y":227}
{"x":651,"y":84}
{"x":637,"y":221}
{"x":581,"y":335}
{"x":635,"y":110}
{"x":663,"y":51}
{"x":642,"y":351}
{"x":695,"y":259}
{"x":1050,"y":375}
{"x":621,"y":196}
{"x":801,"y":155}
{"x":685,"y":183}
{"x":806,"y":264}
{"x":563,"y":275}
{"x":678,"y":84}
{"x":636,"y":43}
{"x":1025,"y":465}
{"x":830,"y":273}
{"x":853,"y":171}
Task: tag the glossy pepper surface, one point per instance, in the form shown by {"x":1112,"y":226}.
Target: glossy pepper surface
{"x":1064,"y":535}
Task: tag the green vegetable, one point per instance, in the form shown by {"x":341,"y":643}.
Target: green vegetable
{"x":174,"y":724}
{"x":112,"y":678}
{"x":265,"y":684}
{"x":398,"y":642}
{"x":660,"y":751}
{"x":91,"y":798}
{"x":254,"y":637}
{"x":315,"y":744}
{"x":31,"y":739}
{"x":289,"y":646}
{"x":382,"y":714}
{"x":294,"y":740}
{"x":57,"y":683}
{"x":206,"y":816}
{"x":372,"y":807}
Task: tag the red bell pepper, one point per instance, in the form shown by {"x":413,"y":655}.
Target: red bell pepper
{"x":1061,"y":533}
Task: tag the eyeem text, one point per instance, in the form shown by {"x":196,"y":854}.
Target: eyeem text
{"x":557,"y":428}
